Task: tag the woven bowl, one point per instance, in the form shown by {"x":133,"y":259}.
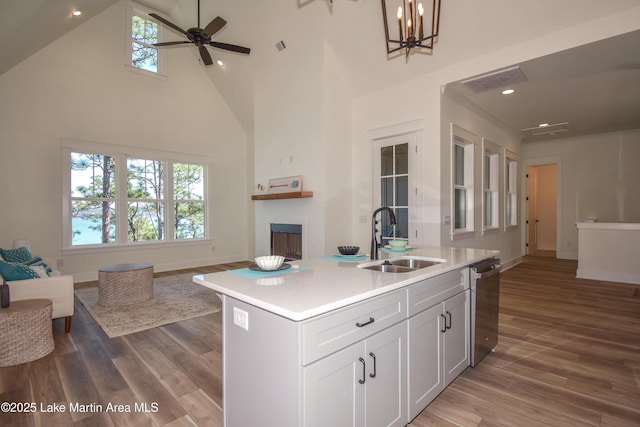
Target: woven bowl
{"x":270,"y":262}
{"x":348,"y":250}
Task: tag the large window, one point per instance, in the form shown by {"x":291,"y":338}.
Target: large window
{"x":462,"y":179}
{"x":118,"y":199}
{"x":511,"y":189}
{"x":490,"y":185}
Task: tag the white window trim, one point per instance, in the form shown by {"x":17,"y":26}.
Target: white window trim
{"x":468,"y":140}
{"x":139,"y":10}
{"x":119,"y":151}
{"x":511,"y":158}
{"x":492,"y":150}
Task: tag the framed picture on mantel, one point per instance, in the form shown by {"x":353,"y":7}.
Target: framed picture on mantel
{"x":289,"y":184}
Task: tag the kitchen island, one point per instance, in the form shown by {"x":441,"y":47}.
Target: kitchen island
{"x":329,"y":343}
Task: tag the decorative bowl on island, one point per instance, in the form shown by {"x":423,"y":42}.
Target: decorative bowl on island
{"x":348,"y":250}
{"x":270,"y":262}
{"x":397,"y":244}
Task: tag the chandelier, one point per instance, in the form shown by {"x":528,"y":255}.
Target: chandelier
{"x":416,"y":26}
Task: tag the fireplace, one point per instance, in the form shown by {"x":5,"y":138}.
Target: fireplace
{"x":286,"y":240}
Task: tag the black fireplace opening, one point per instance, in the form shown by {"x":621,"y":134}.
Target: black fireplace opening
{"x":286,"y":240}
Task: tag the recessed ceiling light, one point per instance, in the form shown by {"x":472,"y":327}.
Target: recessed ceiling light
{"x":543,"y":125}
{"x":508,"y":91}
{"x":220,"y":62}
{"x":76,"y":12}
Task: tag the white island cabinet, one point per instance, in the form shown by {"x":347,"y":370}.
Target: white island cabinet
{"x":333,"y":344}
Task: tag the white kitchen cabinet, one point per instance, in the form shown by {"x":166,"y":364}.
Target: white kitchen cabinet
{"x":361,"y":385}
{"x":438,"y":338}
{"x":375,"y":362}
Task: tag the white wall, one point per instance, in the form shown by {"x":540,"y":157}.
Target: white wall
{"x":78,"y":87}
{"x":599,"y":178}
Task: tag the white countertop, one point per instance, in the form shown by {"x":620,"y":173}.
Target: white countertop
{"x":321,"y":285}
{"x":594,"y":225}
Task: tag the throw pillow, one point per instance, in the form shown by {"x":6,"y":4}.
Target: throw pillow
{"x":18,"y":255}
{"x":39,"y":262}
{"x":11,"y":271}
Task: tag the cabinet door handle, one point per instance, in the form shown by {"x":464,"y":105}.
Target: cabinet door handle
{"x":373,"y":356}
{"x":364,"y":371}
{"x":370,"y":321}
{"x":445,"y":322}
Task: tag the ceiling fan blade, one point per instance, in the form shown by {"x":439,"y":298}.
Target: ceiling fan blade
{"x":171,"y":43}
{"x":214,"y":26}
{"x":204,"y":54}
{"x":231,"y":47}
{"x":169,"y":23}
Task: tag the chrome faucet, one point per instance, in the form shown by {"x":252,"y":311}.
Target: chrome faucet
{"x":374,"y":239}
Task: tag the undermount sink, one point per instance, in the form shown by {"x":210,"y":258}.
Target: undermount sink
{"x":403,"y":264}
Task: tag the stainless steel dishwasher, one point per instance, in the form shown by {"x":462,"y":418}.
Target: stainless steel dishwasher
{"x":485,"y":300}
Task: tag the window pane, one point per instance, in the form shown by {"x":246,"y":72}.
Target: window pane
{"x":92,"y":175}
{"x":386,"y":161}
{"x":460,"y":208}
{"x":189,"y":220}
{"x":92,"y":222}
{"x":145,"y":221}
{"x":402,"y":159}
{"x":386,"y":189}
{"x":144,"y":57}
{"x":145,"y":179}
{"x":402,"y":229}
{"x":487,"y":172}
{"x":188,"y":182}
{"x":508,"y":210}
{"x":459,"y":165}
{"x":488,"y":209}
{"x":386,"y":229}
{"x":402,"y":191}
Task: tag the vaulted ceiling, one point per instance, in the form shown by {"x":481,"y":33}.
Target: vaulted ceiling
{"x":595,"y":88}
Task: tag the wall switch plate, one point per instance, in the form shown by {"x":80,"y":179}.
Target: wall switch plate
{"x":241,"y":318}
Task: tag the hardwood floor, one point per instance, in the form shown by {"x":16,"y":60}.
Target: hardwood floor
{"x":568,"y":355}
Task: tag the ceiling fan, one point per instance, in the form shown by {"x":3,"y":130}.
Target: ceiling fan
{"x":201,"y":37}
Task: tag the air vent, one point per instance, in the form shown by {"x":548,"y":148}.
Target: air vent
{"x":496,"y":79}
{"x":547,"y":130}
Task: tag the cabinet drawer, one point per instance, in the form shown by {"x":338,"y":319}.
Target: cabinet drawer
{"x":429,"y":292}
{"x":338,"y":329}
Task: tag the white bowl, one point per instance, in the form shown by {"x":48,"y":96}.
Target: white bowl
{"x":270,"y":262}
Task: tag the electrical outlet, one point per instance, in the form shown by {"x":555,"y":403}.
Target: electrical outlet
{"x":241,"y":318}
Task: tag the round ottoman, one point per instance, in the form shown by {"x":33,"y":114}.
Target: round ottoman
{"x":124,"y":284}
{"x":25,"y":331}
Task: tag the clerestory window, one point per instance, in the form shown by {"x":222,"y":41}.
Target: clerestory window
{"x":144,"y":32}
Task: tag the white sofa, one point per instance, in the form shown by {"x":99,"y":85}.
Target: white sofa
{"x":58,"y":288}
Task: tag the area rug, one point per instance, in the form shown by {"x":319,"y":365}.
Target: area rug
{"x":175,"y":298}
